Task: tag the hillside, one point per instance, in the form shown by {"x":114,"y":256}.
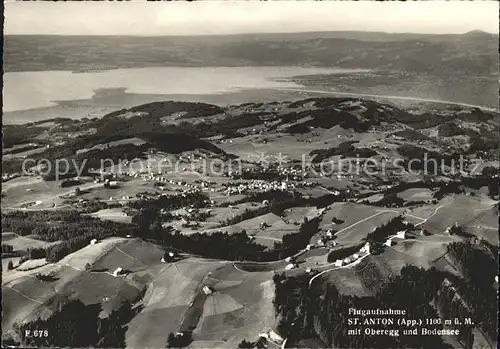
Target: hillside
{"x":248,"y":232}
{"x":473,"y":53}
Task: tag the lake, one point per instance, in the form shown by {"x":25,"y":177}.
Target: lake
{"x":43,"y":90}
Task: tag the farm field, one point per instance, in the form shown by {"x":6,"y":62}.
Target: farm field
{"x":20,"y":243}
{"x":469,"y":211}
{"x":181,"y":278}
{"x":358,"y":220}
{"x":416,"y":194}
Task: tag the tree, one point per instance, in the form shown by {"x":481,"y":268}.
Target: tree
{"x":493,"y":189}
{"x":245,"y":345}
{"x":171,"y":340}
{"x":10,"y":266}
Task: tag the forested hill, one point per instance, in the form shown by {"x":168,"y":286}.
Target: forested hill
{"x":473,"y":53}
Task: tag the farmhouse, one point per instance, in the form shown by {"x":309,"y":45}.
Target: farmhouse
{"x":290,"y":266}
{"x":339,"y":262}
{"x":366,"y":248}
{"x":93,"y":241}
{"x":401,"y":234}
{"x":118,"y":272}
{"x":168,"y":256}
{"x":208,"y":290}
{"x":275,"y":337}
{"x":388,"y":242}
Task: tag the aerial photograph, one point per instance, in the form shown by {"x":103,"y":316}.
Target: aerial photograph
{"x":250,"y":174}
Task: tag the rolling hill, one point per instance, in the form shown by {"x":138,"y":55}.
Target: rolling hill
{"x":473,"y":53}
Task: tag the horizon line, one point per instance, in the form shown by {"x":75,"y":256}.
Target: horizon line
{"x":266,"y":33}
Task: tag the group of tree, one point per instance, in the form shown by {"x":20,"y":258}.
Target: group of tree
{"x":325,"y":117}
{"x":389,"y":200}
{"x":342,"y":253}
{"x":244,"y":344}
{"x":345,"y":150}
{"x":219,"y":245}
{"x":381,"y":233}
{"x":77,"y":325}
{"x":7,"y":249}
{"x":72,"y":229}
{"x":453,"y":187}
{"x":70,"y":182}
{"x":179,"y":340}
{"x":429,"y":161}
{"x":298,"y":241}
{"x":173,"y":202}
{"x":479,"y":265}
{"x":322,"y":311}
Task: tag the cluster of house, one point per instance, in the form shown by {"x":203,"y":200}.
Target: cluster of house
{"x":399,"y":235}
{"x":291,"y":263}
{"x":365,"y":250}
{"x":295,"y":174}
{"x":259,"y":185}
{"x":327,"y":240}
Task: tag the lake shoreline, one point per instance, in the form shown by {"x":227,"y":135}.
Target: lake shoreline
{"x":45,"y":88}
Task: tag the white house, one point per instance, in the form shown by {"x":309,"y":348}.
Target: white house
{"x":207,"y":290}
{"x":275,"y":337}
{"x":308,"y":247}
{"x":339,"y":262}
{"x":388,"y":242}
{"x":366,"y":248}
{"x":329,"y":234}
{"x":93,"y":241}
{"x":320,"y":242}
{"x":401,"y":234}
{"x":288,"y":259}
{"x":117,"y":272}
{"x":355,"y":256}
{"x":290,"y":266}
{"x":347,"y":260}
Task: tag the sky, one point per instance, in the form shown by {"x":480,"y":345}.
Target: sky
{"x":235,"y":17}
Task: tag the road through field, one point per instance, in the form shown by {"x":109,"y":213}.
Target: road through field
{"x":49,"y":198}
